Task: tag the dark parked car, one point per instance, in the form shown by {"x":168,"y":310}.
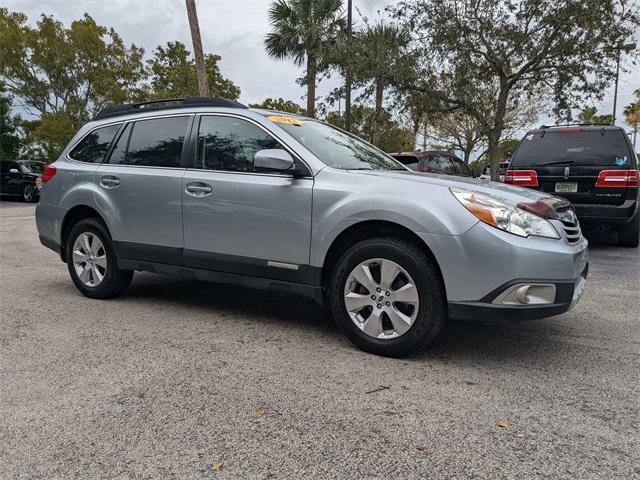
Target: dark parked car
{"x":21,"y":178}
{"x":434,"y":162}
{"x":593,"y":166}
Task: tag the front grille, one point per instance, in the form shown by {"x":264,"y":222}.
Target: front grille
{"x":572,"y":230}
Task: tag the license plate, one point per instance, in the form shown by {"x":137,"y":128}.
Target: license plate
{"x":566,"y":187}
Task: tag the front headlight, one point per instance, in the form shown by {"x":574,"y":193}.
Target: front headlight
{"x":505,"y":217}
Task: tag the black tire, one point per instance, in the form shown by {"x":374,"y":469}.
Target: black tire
{"x":115,"y":281}
{"x":630,"y":235}
{"x":432,"y":311}
{"x":29,"y":193}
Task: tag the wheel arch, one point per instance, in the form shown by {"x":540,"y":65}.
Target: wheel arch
{"x":369,"y":229}
{"x":73,"y":216}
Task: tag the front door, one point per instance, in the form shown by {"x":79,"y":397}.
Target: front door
{"x":237,"y":220}
{"x":140,"y":189}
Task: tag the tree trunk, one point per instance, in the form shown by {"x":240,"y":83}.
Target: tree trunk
{"x":635,"y":134}
{"x":201,"y":70}
{"x":494,"y":155}
{"x":467,"y":155}
{"x":348,"y":77}
{"x":378,"y":112}
{"x":311,"y":85}
{"x":495,"y":132}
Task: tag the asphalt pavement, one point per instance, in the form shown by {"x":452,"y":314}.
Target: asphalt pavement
{"x":181,"y":379}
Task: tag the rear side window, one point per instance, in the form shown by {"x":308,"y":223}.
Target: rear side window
{"x":152,"y":143}
{"x":94,"y":146}
{"x":228,"y":143}
{"x":408,"y":161}
{"x":581,"y":147}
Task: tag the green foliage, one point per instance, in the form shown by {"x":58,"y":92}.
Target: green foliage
{"x":77,"y":70}
{"x":10,"y":136}
{"x":279,"y":104}
{"x":65,"y":74}
{"x":481,"y":55}
{"x":590,"y":115}
{"x":392,"y":138}
{"x":305,"y":30}
{"x":173,"y":74}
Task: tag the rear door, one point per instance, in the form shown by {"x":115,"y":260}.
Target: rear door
{"x":140,"y":189}
{"x":568,"y":161}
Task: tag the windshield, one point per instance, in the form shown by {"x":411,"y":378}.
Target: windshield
{"x":336,"y":148}
{"x":583,"y":147}
{"x":32,"y":167}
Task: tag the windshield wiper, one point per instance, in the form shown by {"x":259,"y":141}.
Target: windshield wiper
{"x":561,"y":162}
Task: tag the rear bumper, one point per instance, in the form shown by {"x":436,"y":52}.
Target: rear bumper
{"x":568,"y":293}
{"x":609,"y":214}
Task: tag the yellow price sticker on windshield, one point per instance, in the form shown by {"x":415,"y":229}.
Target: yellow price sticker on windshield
{"x":285,"y":120}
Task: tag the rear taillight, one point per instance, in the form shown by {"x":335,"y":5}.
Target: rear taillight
{"x":618,"y":178}
{"x":48,"y":173}
{"x":522,"y":178}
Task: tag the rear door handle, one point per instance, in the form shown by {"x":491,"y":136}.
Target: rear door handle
{"x":109,"y":181}
{"x":199,"y":189}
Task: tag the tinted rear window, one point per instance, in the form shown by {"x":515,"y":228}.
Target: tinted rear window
{"x":94,"y":146}
{"x":152,"y":143}
{"x":587,"y":147}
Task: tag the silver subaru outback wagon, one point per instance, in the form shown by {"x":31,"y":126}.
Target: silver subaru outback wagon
{"x":208,"y":188}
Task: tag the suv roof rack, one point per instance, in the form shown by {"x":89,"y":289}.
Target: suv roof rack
{"x":543,"y":127}
{"x":165,"y":104}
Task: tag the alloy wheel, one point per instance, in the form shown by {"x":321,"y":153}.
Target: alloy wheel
{"x":381,"y":298}
{"x":89,"y":259}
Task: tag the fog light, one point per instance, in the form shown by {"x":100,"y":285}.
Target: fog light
{"x":527,"y":294}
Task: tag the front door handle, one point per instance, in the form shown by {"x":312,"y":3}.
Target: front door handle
{"x":109,"y":181}
{"x":199,"y":189}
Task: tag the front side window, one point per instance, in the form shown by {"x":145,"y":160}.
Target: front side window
{"x":229,"y":143}
{"x":336,"y":148}
{"x":95,"y":145}
{"x":152,"y":143}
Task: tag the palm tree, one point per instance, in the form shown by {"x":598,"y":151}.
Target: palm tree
{"x":201,"y":69}
{"x":379,"y":57}
{"x":302,"y":30}
{"x":632,"y":116}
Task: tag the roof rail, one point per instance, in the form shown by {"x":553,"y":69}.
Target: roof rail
{"x":166,"y":103}
{"x":543,"y":127}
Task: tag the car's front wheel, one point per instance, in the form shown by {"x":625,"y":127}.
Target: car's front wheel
{"x":92,"y":263}
{"x":387,"y":296}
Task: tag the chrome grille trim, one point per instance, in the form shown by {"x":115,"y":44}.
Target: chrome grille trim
{"x":572,"y":231}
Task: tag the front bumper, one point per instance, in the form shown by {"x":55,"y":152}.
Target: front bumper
{"x":568,"y":293}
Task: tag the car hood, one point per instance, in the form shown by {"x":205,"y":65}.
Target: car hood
{"x":508,"y":194}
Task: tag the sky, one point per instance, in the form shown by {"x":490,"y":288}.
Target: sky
{"x":235,"y":30}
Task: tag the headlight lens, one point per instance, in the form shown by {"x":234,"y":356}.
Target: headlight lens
{"x":505,"y":217}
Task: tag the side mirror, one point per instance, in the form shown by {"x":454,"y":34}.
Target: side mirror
{"x":13,"y":171}
{"x":273,"y":160}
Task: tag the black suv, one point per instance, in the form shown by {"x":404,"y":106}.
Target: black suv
{"x":593,"y":166}
{"x":21,"y":178}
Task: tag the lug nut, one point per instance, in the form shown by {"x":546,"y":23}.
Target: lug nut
{"x":387,"y":293}
{"x":379,"y":306}
{"x":373,"y":297}
{"x":378,"y":289}
{"x":388,"y":303}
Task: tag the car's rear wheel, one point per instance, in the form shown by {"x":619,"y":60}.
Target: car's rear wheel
{"x":630,"y":235}
{"x":29,"y":193}
{"x":387,"y":295}
{"x":92,"y":261}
